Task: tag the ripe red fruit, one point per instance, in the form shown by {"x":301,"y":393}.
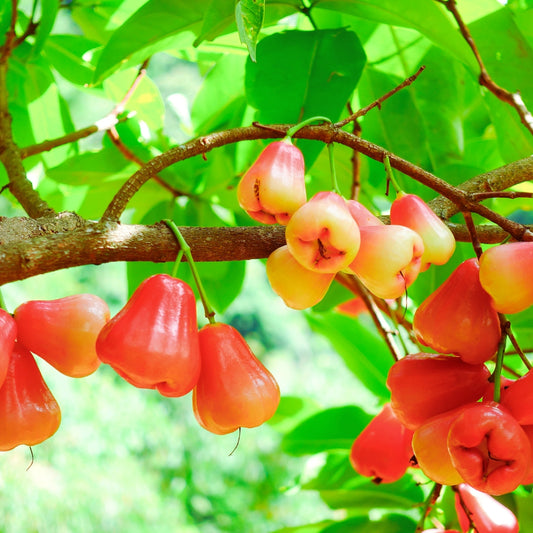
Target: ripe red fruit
{"x":489,"y":448}
{"x":517,"y":398}
{"x":362,"y":215}
{"x":273,"y":188}
{"x":298,"y":286}
{"x":458,"y":317}
{"x":424,"y":385}
{"x":487,"y":514}
{"x":63,"y":332}
{"x":505,"y":273}
{"x":8,"y":334}
{"x":388,"y":260}
{"x":322,"y":235}
{"x":29,"y":413}
{"x":382,"y":451}
{"x":439,"y":243}
{"x":152,"y":342}
{"x":234,"y":389}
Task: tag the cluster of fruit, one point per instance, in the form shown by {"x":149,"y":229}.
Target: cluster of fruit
{"x":153,"y":343}
{"x":329,"y":234}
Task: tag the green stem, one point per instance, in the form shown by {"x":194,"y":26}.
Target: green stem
{"x":334,"y":184}
{"x":177,"y":263}
{"x":496,"y":375}
{"x":390,"y":175}
{"x":433,"y":496}
{"x":185,"y":249}
{"x":292,"y":131}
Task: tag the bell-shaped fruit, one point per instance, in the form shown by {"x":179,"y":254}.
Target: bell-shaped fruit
{"x":8,"y":334}
{"x":505,"y":273}
{"x":424,"y":385}
{"x":487,"y":514}
{"x":489,"y":448}
{"x":458,"y":317}
{"x":388,"y":260}
{"x":322,"y":235}
{"x":29,"y":413}
{"x":273,"y":188}
{"x":234,"y":389}
{"x":430,"y":446}
{"x":439,"y":243}
{"x":63,"y":332}
{"x":298,"y":286}
{"x":517,"y":398}
{"x":382,"y":451}
{"x":152,"y":342}
{"x":362,"y":215}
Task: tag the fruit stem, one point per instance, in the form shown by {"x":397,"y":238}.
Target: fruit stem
{"x":334,"y":183}
{"x":306,"y":122}
{"x":496,"y":375}
{"x":177,"y":263}
{"x":430,"y":501}
{"x":390,"y":176}
{"x":185,"y":249}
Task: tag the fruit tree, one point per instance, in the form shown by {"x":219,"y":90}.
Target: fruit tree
{"x":373,"y":158}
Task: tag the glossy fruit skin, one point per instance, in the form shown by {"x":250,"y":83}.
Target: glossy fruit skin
{"x":362,"y":215}
{"x":382,"y":451}
{"x":298,"y":286}
{"x":487,"y":513}
{"x":517,"y":398}
{"x":152,"y":342}
{"x":458,"y":317}
{"x":63,"y":332}
{"x":322,"y":235}
{"x":8,"y":334}
{"x":424,"y":385}
{"x":29,"y":413}
{"x":489,"y":449}
{"x":388,"y":260}
{"x":505,"y":273}
{"x":273,"y":188}
{"x":234,"y":389}
{"x":430,"y":446}
{"x":439,"y":243}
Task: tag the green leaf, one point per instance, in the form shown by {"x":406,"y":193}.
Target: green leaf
{"x":317,"y":527}
{"x":218,"y":16}
{"x":49,"y":9}
{"x":5,"y":20}
{"x":362,"y":349}
{"x":393,"y":523}
{"x":315,"y":71}
{"x":336,"y":473}
{"x":426,"y":17}
{"x":332,"y":429}
{"x":291,"y":411}
{"x":156,"y":26}
{"x":250,"y":15}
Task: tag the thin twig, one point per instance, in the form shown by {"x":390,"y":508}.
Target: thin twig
{"x":473,"y":233}
{"x":479,"y":196}
{"x":355,"y":160}
{"x":428,"y":505}
{"x":516,"y":346}
{"x":381,"y":99}
{"x":513,"y":99}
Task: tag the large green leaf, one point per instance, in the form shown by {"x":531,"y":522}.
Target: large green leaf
{"x":301,"y":74}
{"x":218,"y":15}
{"x":425,"y":16}
{"x":49,"y":9}
{"x":156,"y":26}
{"x":393,"y":523}
{"x":249,"y":15}
{"x":362,"y":349}
{"x":332,"y":429}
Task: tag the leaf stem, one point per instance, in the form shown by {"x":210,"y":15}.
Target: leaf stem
{"x":185,"y":249}
{"x":306,"y":122}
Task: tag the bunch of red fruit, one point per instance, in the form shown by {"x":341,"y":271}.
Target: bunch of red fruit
{"x":153,"y":343}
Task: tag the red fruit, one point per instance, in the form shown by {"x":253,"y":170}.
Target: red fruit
{"x":439,"y":243}
{"x":298,"y":286}
{"x":486,"y":513}
{"x":322,"y":235}
{"x":505,"y":273}
{"x":152,"y":342}
{"x":388,"y":260}
{"x":458,"y":317}
{"x":430,"y":446}
{"x":489,"y":448}
{"x":362,"y":215}
{"x":353,"y":307}
{"x":8,"y":334}
{"x":382,"y":451}
{"x":424,"y":385}
{"x":63,"y":332}
{"x":273,"y":188}
{"x":29,"y":414}
{"x":234,"y":389}
{"x":517,"y":398}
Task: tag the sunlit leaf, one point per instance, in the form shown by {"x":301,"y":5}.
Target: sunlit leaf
{"x":249,"y":15}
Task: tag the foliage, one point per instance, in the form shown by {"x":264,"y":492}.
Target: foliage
{"x":146,"y":76}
